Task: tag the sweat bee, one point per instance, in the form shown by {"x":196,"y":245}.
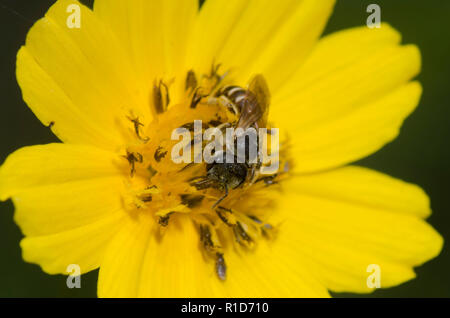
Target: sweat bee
{"x":252,"y":107}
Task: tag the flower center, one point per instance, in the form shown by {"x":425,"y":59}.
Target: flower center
{"x":229,"y":202}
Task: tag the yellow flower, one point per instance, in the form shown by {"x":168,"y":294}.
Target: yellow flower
{"x":110,"y":197}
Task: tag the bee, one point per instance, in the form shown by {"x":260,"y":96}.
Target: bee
{"x":252,"y":106}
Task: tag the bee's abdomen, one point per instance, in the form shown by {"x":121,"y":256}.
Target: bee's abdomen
{"x":235,"y":94}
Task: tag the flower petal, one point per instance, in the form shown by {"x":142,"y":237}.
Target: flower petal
{"x":83,"y":246}
{"x":68,"y":203}
{"x":173,"y":265}
{"x":259,"y":36}
{"x":78,"y":79}
{"x":341,"y":238}
{"x":155,"y":35}
{"x":41,"y":165}
{"x":58,"y":187}
{"x":338,"y":109}
{"x":120,"y":271}
{"x":359,"y":134}
{"x":366,"y":187}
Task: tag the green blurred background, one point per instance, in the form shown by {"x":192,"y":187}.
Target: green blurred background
{"x":420,"y":154}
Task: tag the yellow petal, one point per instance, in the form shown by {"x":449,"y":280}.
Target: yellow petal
{"x":155,"y":35}
{"x":366,"y":187}
{"x":79,"y":79}
{"x":340,"y":110}
{"x":345,"y":139}
{"x":259,"y":36}
{"x":37,"y":166}
{"x":59,"y":187}
{"x":83,"y":246}
{"x":139,"y":262}
{"x":342,"y":238}
{"x":120,"y":271}
{"x":338,"y":52}
{"x":68,"y":203}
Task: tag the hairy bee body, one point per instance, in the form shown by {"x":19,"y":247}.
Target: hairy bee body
{"x":251,"y":105}
{"x":245,"y":103}
{"x":222,"y":176}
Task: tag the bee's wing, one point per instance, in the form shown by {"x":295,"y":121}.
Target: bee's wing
{"x":259,"y":87}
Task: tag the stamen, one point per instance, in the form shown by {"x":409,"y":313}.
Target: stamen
{"x":226,"y":215}
{"x":137,"y":124}
{"x":191,"y":200}
{"x":221,"y":267}
{"x":209,"y":239}
{"x":241,"y":233}
{"x":132,"y":158}
{"x":151,"y":171}
{"x":269,"y":180}
{"x":191,"y":82}
{"x":161,"y":99}
{"x":159,"y":154}
{"x":196,"y":99}
{"x":164,"y":220}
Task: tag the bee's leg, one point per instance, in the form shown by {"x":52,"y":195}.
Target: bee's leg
{"x":221,"y":199}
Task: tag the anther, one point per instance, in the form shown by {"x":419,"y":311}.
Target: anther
{"x":161,"y":99}
{"x":132,"y":158}
{"x":191,"y":82}
{"x":221,"y":268}
{"x":137,"y":124}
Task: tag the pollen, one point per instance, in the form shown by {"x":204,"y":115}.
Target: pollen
{"x":228,"y":203}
